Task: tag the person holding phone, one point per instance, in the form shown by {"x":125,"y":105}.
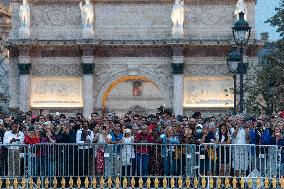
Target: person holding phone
{"x":85,"y":138}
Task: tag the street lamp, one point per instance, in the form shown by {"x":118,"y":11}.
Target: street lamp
{"x":233,"y":61}
{"x":241,"y":34}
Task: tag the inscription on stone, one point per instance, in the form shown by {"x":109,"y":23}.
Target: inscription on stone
{"x":56,"y":92}
{"x":208,"y":92}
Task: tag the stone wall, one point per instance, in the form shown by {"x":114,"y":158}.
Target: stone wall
{"x":121,"y":98}
{"x":156,"y":69}
{"x":131,"y":20}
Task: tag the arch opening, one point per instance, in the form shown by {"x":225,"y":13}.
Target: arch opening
{"x":132,"y":93}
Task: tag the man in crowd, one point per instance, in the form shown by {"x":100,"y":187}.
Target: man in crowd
{"x":84,"y":138}
{"x":240,"y":136}
{"x":15,"y":138}
{"x":77,"y":159}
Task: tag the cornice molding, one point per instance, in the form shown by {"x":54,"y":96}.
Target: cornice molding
{"x":90,"y":43}
{"x":137,"y":1}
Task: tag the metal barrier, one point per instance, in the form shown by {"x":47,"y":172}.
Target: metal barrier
{"x":224,"y":160}
{"x":141,"y":164}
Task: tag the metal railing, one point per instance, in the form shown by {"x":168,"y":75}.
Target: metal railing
{"x":165,"y":165}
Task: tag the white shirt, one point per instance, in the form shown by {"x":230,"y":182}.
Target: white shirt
{"x":127,"y":151}
{"x":241,"y":136}
{"x":222,"y":138}
{"x":8,"y":137}
{"x":89,"y":137}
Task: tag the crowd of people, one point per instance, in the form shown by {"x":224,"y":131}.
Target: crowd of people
{"x":161,"y":144}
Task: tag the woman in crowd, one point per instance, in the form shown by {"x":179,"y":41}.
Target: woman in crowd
{"x":223,"y":137}
{"x":170,"y":152}
{"x":155,"y":153}
{"x":188,"y":158}
{"x":47,"y":157}
{"x":127,"y":152}
{"x":103,"y":139}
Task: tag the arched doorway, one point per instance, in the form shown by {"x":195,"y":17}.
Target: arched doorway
{"x":132,"y":93}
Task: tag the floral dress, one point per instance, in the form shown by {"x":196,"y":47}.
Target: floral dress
{"x":155,"y":155}
{"x":100,"y":161}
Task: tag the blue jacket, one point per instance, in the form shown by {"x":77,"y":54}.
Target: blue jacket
{"x":165,"y":141}
{"x":266,"y":137}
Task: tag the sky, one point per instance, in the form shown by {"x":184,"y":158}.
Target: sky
{"x":265,"y":9}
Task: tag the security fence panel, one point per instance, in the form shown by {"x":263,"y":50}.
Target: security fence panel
{"x":14,"y":160}
{"x":223,"y":160}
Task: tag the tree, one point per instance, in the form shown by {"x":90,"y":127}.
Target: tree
{"x":265,"y":87}
{"x":278,"y":19}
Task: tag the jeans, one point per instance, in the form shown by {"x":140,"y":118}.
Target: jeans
{"x":47,"y":166}
{"x":142,"y":164}
{"x":170,"y":165}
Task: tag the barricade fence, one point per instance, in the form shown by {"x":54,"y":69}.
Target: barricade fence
{"x":141,"y":164}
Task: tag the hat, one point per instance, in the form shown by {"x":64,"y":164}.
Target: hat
{"x":31,"y":129}
{"x":199,"y":125}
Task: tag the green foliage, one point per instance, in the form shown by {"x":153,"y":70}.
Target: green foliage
{"x":278,"y":19}
{"x":265,"y":86}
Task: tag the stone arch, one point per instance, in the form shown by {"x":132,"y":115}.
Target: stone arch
{"x":122,"y":77}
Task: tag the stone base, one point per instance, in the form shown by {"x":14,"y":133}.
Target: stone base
{"x":177,"y":33}
{"x":88,"y":33}
{"x":24,"y":33}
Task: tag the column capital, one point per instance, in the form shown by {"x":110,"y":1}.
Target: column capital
{"x":87,"y":69}
{"x":178,"y":68}
{"x":24,"y":69}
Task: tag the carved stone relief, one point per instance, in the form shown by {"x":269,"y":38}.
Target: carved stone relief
{"x":208,"y":15}
{"x":56,"y":67}
{"x":208,"y":92}
{"x":55,"y":15}
{"x":106,"y":73}
{"x":56,"y":92}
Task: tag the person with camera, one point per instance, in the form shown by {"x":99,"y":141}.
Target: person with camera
{"x":85,"y":138}
{"x":240,"y":137}
{"x":14,"y":138}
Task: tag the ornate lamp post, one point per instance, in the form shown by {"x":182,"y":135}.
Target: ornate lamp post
{"x":241,"y":33}
{"x":233,"y":61}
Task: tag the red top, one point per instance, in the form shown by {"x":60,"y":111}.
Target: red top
{"x":143,"y":138}
{"x":35,"y":140}
{"x":30,"y":140}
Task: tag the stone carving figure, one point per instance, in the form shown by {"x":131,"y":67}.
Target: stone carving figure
{"x":24,"y":14}
{"x":87,"y":14}
{"x":178,"y":18}
{"x":241,"y":7}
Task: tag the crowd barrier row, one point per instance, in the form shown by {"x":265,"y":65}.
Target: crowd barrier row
{"x":141,"y":161}
{"x":93,"y":182}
